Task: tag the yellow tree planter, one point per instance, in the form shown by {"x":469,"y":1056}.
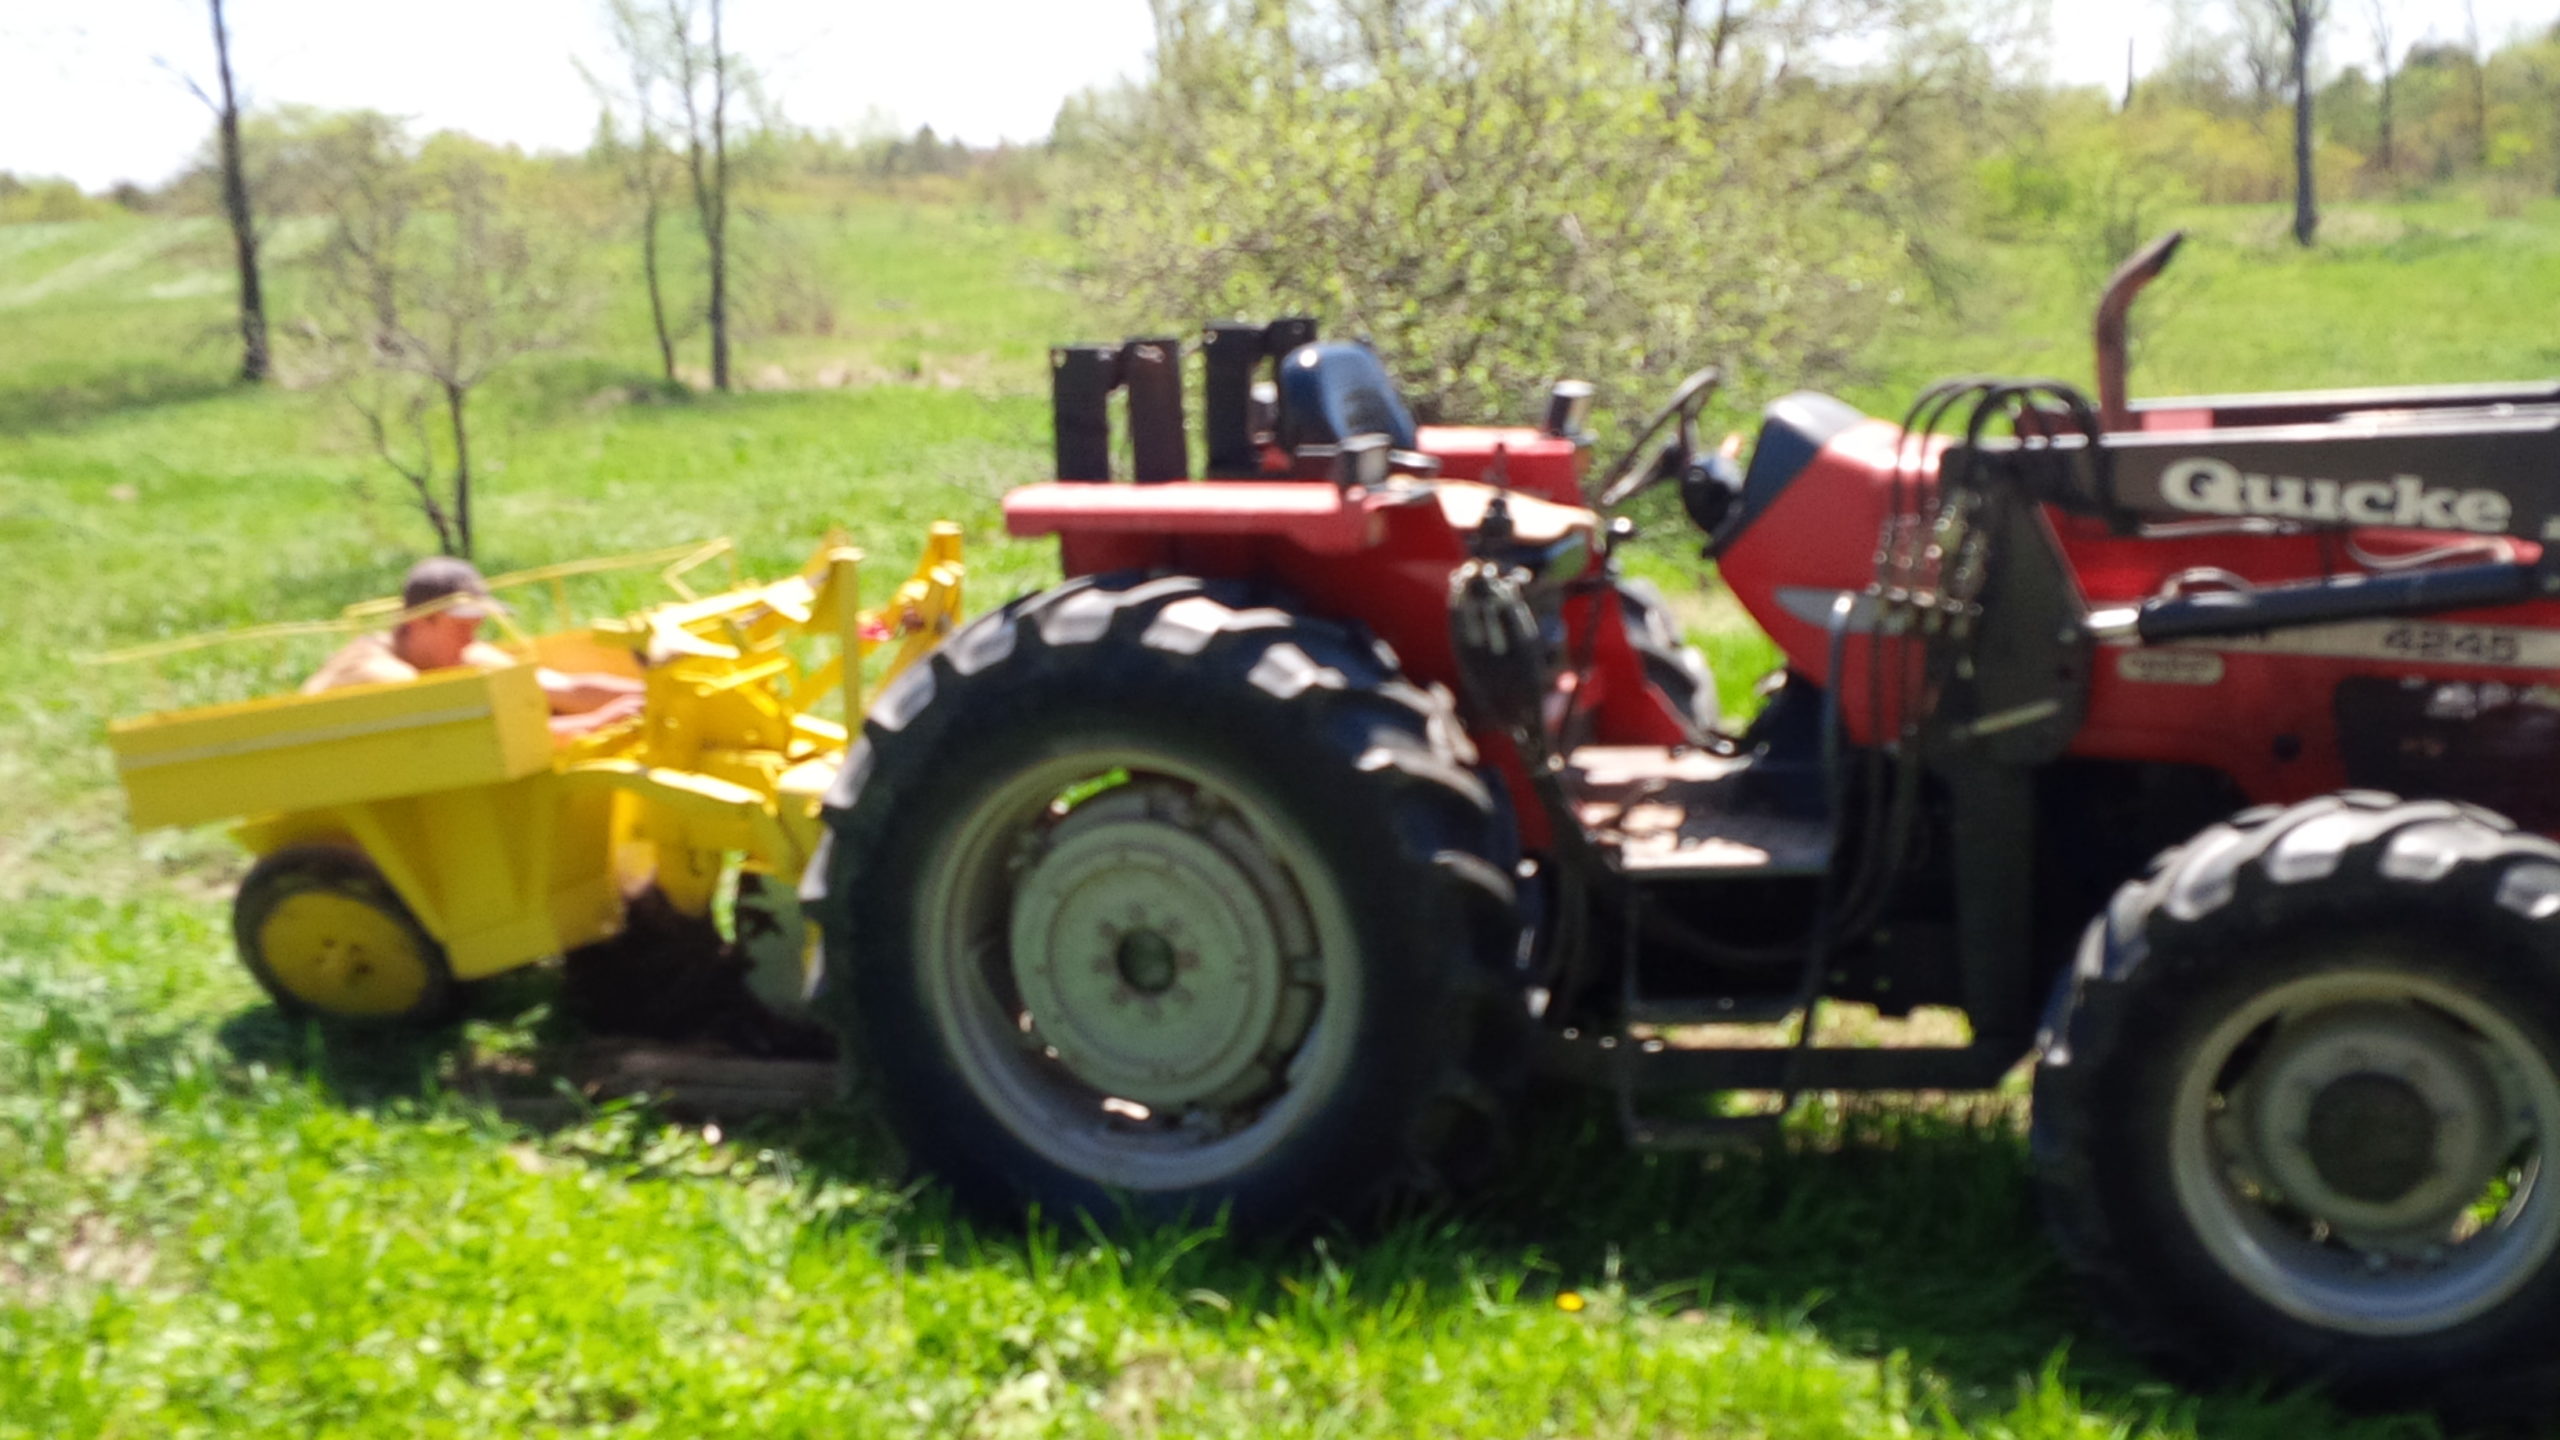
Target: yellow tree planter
{"x":416,"y":834}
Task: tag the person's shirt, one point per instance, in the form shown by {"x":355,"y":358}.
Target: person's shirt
{"x":372,"y":660}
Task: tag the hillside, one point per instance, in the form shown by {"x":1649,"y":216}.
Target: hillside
{"x":211,"y":1225}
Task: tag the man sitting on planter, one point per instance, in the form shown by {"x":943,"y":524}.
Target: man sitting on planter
{"x":445,"y":601}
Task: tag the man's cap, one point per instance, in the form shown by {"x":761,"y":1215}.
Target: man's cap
{"x":439,"y":576}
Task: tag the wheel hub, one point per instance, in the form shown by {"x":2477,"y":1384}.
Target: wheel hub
{"x":343,"y":955}
{"x":2372,"y":1137}
{"x":2381,"y":1120}
{"x":1148,"y":962}
{"x":1156,"y":951}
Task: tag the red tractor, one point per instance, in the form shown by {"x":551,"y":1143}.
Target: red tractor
{"x":1342,"y":793}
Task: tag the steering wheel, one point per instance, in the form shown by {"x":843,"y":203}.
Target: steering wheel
{"x":1636,"y":472}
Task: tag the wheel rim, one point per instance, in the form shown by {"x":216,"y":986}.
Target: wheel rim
{"x":1132,"y":960}
{"x":343,"y":955}
{"x":2364,"y":1150}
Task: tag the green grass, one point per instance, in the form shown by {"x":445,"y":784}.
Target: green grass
{"x":212,"y":1224}
{"x":2404,"y":294}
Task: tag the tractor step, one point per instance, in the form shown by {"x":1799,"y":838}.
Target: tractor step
{"x":1643,"y":1131}
{"x":1651,"y":1066}
{"x":1686,"y":814}
{"x":1622,"y":1056}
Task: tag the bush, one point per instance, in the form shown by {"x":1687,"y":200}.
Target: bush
{"x":28,"y":201}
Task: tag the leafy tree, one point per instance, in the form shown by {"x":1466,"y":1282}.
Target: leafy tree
{"x":2540,"y":63}
{"x":1501,"y":192}
{"x":2095,"y":181}
{"x":442,"y":265}
{"x":43,"y":198}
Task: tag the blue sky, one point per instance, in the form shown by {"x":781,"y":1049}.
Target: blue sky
{"x":87,"y":89}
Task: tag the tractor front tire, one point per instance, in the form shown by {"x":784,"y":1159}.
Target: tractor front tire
{"x":2297,"y":1113}
{"x":326,"y":937}
{"x":1146,"y":901}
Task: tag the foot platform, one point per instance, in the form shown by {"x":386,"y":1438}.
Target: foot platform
{"x":1684,"y":814}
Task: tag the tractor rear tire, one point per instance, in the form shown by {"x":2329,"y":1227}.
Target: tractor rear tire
{"x":1146,"y":901}
{"x":2297,"y":1112}
{"x":326,"y":937}
{"x":1672,"y":664}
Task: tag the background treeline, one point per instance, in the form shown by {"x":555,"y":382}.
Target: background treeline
{"x":2210,"y":114}
{"x":1495,"y":192}
{"x":281,"y":140}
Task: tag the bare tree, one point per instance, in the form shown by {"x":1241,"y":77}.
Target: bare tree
{"x":706,"y":80}
{"x":2264,"y":58}
{"x":2298,"y":22}
{"x":2379,"y":12}
{"x":1720,"y":31}
{"x":254,"y":360}
{"x":433,"y":278}
{"x":639,"y":37}
{"x":2203,"y":68}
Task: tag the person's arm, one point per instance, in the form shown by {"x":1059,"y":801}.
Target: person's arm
{"x":580,"y":694}
{"x":614,"y":711}
{"x":567,"y":693}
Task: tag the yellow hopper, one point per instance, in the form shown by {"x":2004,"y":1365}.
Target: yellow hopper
{"x":418,"y":834}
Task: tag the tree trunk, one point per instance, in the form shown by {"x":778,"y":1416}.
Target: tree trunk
{"x":657,"y":290}
{"x":254,"y":363}
{"x":2306,"y":204}
{"x":717,"y":231}
{"x":2479,"y":84}
{"x":1675,"y":83}
{"x":455,"y":397}
{"x":1719,"y":40}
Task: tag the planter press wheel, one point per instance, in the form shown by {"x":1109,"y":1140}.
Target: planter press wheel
{"x":326,"y":936}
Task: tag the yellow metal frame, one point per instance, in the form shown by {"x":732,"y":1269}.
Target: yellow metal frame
{"x":510,"y":847}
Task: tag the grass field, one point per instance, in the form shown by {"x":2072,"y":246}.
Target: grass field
{"x":212,"y":1224}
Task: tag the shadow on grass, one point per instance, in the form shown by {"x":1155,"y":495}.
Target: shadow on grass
{"x":37,"y":410}
{"x":1878,"y":1228}
{"x":359,"y":1069}
{"x":574,"y":384}
{"x":519,"y":1050}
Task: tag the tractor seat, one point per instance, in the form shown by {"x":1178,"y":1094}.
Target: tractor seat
{"x":1330,"y":393}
